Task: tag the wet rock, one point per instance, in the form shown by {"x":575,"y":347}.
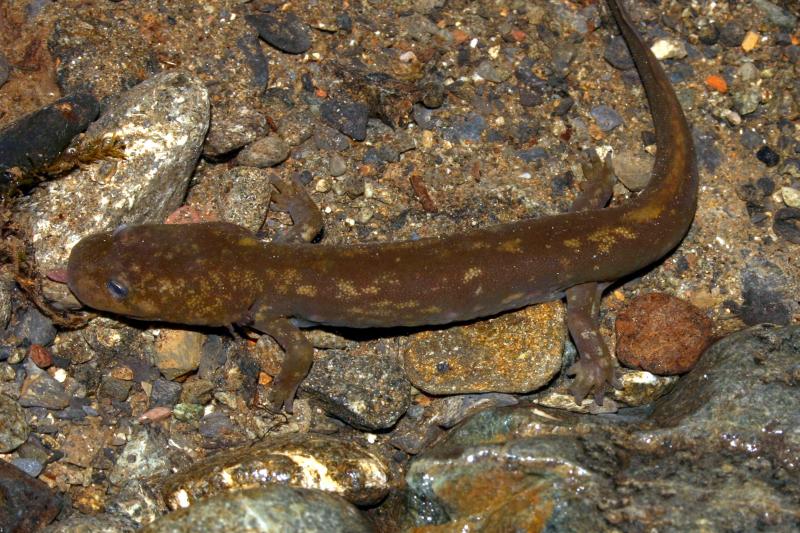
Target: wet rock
{"x":80,"y":523}
{"x":297,"y":126}
{"x":197,"y":391}
{"x":724,"y":434}
{"x":40,"y":390}
{"x":349,"y":118}
{"x":633,"y":170}
{"x":33,"y":326}
{"x":286,"y":32}
{"x":82,"y":445}
{"x":777,"y":15}
{"x":178,"y":352}
{"x":6,"y":290}
{"x":35,"y":140}
{"x":271,"y":509}
{"x":27,"y":503}
{"x":5,"y":69}
{"x":515,"y":352}
{"x":31,"y":467}
{"x":14,"y":429}
{"x":606,"y":118}
{"x":266,"y":152}
{"x":764,"y":293}
{"x":731,"y":34}
{"x":669,"y":49}
{"x":369,"y":391}
{"x":661,"y":334}
{"x":138,"y":501}
{"x":161,"y":122}
{"x":143,"y":455}
{"x":307,"y":461}
{"x":116,"y":389}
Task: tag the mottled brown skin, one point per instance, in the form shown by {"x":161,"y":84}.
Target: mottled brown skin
{"x":218,"y":274}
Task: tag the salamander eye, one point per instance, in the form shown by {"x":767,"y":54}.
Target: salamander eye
{"x":117,"y":290}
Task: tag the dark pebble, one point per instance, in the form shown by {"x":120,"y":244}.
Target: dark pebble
{"x":766,"y":185}
{"x":40,"y":390}
{"x":350,"y":118}
{"x":468,"y":128}
{"x":768,"y":156}
{"x":286,"y":33}
{"x":4,"y":70}
{"x":424,"y":117}
{"x":529,"y":98}
{"x":648,"y":138}
{"x":709,"y":156}
{"x":116,"y":389}
{"x":27,"y":503}
{"x":562,"y":183}
{"x":213,"y":357}
{"x":708,"y":34}
{"x":197,"y":391}
{"x":344,"y":21}
{"x":763,"y":293}
{"x":36,"y":139}
{"x":165,"y":393}
{"x":787,"y":224}
{"x":617,"y":54}
{"x":606,"y":118}
{"x":381,"y":154}
{"x":255,"y":60}
{"x":731,"y":34}
{"x":34,"y":327}
{"x":532,"y":154}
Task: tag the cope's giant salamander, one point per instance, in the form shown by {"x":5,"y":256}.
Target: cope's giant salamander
{"x":219,"y":274}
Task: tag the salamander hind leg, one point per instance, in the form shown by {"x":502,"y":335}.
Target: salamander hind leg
{"x":292,"y":197}
{"x":599,"y":185}
{"x":299,"y":354}
{"x":595,"y":367}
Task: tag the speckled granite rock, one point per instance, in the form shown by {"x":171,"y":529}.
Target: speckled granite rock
{"x":726,"y":435}
{"x":515,"y":352}
{"x":14,"y":429}
{"x":269,"y":509}
{"x":308,"y":461}
{"x":162,"y":123}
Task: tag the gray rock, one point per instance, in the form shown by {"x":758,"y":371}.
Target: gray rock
{"x":235,"y":125}
{"x":246,"y":198}
{"x":606,"y":118}
{"x":142,"y":456}
{"x":80,"y":523}
{"x":161,"y":122}
{"x":5,"y":69}
{"x":40,"y":390}
{"x":779,"y":16}
{"x":14,"y":429}
{"x":33,"y":326}
{"x":369,"y":392}
{"x":269,"y":509}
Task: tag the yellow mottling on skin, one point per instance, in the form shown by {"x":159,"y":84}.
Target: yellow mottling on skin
{"x":472,"y":273}
{"x":371,"y":289}
{"x":411,"y":304}
{"x":479,"y":290}
{"x":572,"y":243}
{"x":513,"y":297}
{"x":346,"y":288}
{"x":307,"y":290}
{"x":513,"y":246}
{"x":645,"y":213}
{"x":605,"y":238}
{"x":431,"y":310}
{"x":248,"y":241}
{"x":479,"y":245}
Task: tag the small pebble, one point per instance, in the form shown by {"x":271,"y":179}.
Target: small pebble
{"x":40,"y":356}
{"x":768,"y":156}
{"x":787,"y":224}
{"x":5,"y":69}
{"x":717,"y":83}
{"x":731,"y":34}
{"x":264,"y":153}
{"x":669,"y":49}
{"x":617,"y":54}
{"x":350,"y":118}
{"x":606,"y":118}
{"x":791,"y":197}
{"x":14,"y":428}
{"x":661,"y":334}
{"x":337,"y":165}
{"x":32,"y":467}
{"x":285,"y":32}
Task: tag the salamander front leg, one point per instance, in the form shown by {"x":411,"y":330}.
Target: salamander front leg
{"x":292,"y":198}
{"x":296,"y":362}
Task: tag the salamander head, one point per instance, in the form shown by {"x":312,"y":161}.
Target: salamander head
{"x":176,"y":273}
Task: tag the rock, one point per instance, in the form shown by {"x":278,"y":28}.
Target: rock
{"x":6,"y":291}
{"x":349,"y":118}
{"x":234,"y":126}
{"x":307,"y":461}
{"x":787,"y":224}
{"x":268,"y":509}
{"x":285,"y":31}
{"x":668,"y":49}
{"x":264,"y":153}
{"x":369,"y":391}
{"x":617,"y":54}
{"x":14,"y":428}
{"x":33,"y":326}
{"x":197,"y":391}
{"x":178,"y":352}
{"x":551,"y":470}
{"x":765,"y":295}
{"x":162,"y":123}
{"x":40,"y":390}
{"x":5,"y":69}
{"x":27,"y":503}
{"x":606,"y":118}
{"x":79,"y":523}
{"x":661,"y":334}
{"x":632,"y":169}
{"x":514,"y":352}
{"x":246,"y":196}
{"x":143,"y":456}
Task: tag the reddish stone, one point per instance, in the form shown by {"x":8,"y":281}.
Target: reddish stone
{"x":40,"y":356}
{"x":661,"y":334}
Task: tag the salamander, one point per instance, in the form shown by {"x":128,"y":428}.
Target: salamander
{"x":220,"y":274}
